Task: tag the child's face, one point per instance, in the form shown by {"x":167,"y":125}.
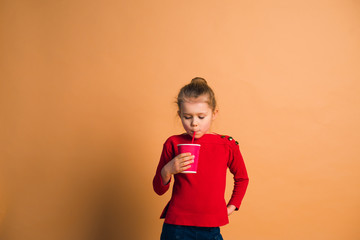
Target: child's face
{"x":196,"y":115}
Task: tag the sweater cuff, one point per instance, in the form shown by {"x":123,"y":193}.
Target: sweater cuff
{"x":159,"y":186}
{"x":237,"y":205}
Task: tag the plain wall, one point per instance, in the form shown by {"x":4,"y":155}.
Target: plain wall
{"x":87,"y":91}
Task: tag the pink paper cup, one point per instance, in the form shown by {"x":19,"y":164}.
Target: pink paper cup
{"x":194,"y":149}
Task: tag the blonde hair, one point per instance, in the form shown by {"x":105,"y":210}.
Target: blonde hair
{"x":196,"y":88}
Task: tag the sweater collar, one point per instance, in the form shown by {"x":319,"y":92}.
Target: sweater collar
{"x":203,"y":138}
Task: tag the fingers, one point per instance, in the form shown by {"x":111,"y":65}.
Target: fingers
{"x":183,"y":162}
{"x":186,"y":159}
{"x":186,"y":164}
{"x":185,"y":156}
{"x":185,"y":168}
{"x":181,"y":155}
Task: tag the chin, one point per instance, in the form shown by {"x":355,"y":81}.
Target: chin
{"x":191,"y":134}
{"x":198,"y":135}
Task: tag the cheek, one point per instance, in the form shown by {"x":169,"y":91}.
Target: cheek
{"x":185,"y":122}
{"x":208,"y":123}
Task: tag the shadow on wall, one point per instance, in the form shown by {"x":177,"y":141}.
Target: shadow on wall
{"x":86,"y":195}
{"x":118,"y":212}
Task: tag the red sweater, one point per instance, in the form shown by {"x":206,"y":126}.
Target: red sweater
{"x":198,"y":198}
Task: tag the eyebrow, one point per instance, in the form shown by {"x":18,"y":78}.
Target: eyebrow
{"x":195,"y":113}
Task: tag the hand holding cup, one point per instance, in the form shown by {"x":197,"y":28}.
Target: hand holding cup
{"x":180,"y":163}
{"x":177,"y":165}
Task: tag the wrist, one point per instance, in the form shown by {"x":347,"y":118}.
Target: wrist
{"x":165,"y":171}
{"x":232,"y":207}
{"x":166,"y":175}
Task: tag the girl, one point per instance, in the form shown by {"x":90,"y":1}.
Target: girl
{"x":197,"y":207}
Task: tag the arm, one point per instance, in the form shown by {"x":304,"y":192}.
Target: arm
{"x":237,"y":168}
{"x":160,"y":186}
{"x":168,"y":168}
{"x":230,"y":209}
{"x":178,"y":164}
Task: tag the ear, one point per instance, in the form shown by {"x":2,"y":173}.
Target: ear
{"x":215,"y":113}
{"x":179,"y":114}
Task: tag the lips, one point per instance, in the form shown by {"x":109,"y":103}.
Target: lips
{"x":196,"y":134}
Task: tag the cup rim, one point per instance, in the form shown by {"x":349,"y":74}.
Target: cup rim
{"x":191,"y":144}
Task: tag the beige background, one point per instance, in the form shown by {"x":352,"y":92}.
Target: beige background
{"x":87,"y":92}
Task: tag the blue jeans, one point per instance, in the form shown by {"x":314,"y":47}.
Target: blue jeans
{"x":173,"y":232}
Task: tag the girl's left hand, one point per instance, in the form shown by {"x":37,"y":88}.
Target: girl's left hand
{"x":230,"y":209}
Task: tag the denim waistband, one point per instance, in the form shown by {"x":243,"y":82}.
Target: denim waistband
{"x":208,"y":229}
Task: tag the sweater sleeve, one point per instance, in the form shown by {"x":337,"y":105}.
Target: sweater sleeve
{"x":237,"y":168}
{"x":159,"y":186}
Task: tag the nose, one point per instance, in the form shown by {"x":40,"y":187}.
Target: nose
{"x":194,"y":123}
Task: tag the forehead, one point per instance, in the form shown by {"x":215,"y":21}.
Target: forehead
{"x":198,"y":105}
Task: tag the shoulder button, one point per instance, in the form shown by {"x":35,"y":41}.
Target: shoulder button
{"x":230,"y":138}
{"x":223,"y":136}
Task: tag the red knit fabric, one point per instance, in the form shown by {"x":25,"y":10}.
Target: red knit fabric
{"x":198,"y":198}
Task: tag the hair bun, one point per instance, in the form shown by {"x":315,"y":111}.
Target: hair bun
{"x":196,"y":88}
{"x":199,"y":80}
